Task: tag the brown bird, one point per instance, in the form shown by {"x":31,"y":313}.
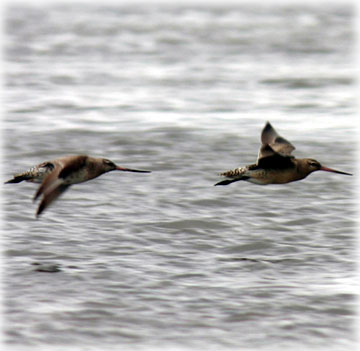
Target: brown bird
{"x":56,"y":176}
{"x":275,"y":164}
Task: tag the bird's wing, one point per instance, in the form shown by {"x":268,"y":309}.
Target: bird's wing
{"x":269,"y":136}
{"x":53,"y":184}
{"x":50,"y":182}
{"x":50,"y":196}
{"x":275,"y":160}
{"x":63,"y":167}
{"x":72,"y":165}
{"x":275,"y":150}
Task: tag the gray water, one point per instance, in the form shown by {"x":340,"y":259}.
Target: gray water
{"x":166,"y":260}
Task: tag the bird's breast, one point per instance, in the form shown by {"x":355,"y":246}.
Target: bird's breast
{"x":79,"y":176}
{"x":270,"y":176}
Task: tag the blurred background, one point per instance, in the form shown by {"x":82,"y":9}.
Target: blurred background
{"x":166,"y":260}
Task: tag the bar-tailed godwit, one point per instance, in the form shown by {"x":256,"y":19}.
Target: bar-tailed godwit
{"x":275,"y":164}
{"x":56,"y":176}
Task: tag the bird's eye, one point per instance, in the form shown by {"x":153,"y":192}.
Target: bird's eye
{"x":109,"y":163}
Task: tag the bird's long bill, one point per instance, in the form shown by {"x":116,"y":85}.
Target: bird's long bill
{"x":326,"y":169}
{"x":118,"y":168}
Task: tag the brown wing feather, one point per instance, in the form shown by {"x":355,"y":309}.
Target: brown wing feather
{"x":276,"y":161}
{"x":73,"y":165}
{"x":273,"y":144}
{"x":50,"y":197}
{"x":49,"y":181}
{"x":63,"y":167}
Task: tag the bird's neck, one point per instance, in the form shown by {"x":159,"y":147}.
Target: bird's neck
{"x":302,"y":167}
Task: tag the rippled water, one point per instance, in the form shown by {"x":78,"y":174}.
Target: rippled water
{"x":167,"y":260}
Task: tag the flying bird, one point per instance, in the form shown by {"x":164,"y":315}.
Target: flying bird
{"x":58,"y":175}
{"x":275,"y":164}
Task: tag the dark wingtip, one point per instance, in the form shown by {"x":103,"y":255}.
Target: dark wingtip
{"x":38,"y":193}
{"x":267,"y":126}
{"x":40,"y":210}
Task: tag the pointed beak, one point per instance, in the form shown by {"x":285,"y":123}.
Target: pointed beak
{"x":326,"y":169}
{"x":118,"y":168}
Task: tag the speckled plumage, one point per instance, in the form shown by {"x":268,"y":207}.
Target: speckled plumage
{"x":35,"y":174}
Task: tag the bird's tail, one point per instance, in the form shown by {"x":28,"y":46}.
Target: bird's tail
{"x":18,"y":178}
{"x":229,"y":181}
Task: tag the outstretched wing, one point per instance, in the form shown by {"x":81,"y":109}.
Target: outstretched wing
{"x":50,"y":188}
{"x":50,"y":182}
{"x":49,"y":197}
{"x":54,"y":184}
{"x":275,"y":151}
{"x":63,"y":168}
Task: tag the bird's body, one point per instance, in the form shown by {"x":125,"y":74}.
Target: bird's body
{"x":275,"y":164}
{"x":257,"y":175}
{"x":57,"y":175}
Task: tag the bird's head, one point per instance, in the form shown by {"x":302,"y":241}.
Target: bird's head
{"x":312,"y":165}
{"x":108,"y":165}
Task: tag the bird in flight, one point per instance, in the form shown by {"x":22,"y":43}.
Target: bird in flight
{"x":275,"y":164}
{"x":58,"y":175}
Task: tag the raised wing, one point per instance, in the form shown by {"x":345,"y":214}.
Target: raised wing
{"x":275,"y":151}
{"x":269,"y":136}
